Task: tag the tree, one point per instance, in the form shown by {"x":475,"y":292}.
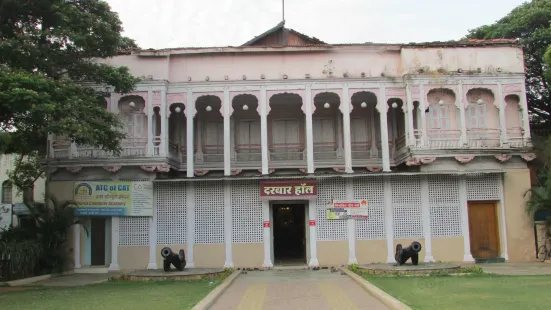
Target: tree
{"x":529,"y":23}
{"x":49,"y":52}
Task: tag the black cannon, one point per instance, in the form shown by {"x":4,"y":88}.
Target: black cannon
{"x":412,"y":251}
{"x":178,"y":260}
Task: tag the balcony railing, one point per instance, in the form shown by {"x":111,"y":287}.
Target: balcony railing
{"x":364,"y":150}
{"x":327,"y":151}
{"x":484,"y":138}
{"x":248,"y":153}
{"x":210,"y":154}
{"x":515,"y":136}
{"x":177,"y":152}
{"x":287,"y":152}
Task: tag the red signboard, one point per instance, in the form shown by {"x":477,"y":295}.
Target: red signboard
{"x":312,"y":222}
{"x":288,"y":190}
{"x":266,"y":224}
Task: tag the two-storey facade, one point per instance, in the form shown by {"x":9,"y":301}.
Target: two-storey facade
{"x":435,"y":137}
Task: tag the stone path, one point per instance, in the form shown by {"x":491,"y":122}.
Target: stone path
{"x":295,"y":289}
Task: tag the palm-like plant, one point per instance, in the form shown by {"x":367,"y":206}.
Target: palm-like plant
{"x":539,"y":197}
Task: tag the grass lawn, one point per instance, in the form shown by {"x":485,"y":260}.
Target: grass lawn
{"x":468,"y":292}
{"x":112,"y":295}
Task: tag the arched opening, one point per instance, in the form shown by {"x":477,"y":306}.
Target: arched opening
{"x":7,"y":192}
{"x":209,"y":129}
{"x":396,"y":126}
{"x":482,"y":119}
{"x":177,"y":134}
{"x":286,"y":130}
{"x":365,"y":129}
{"x":442,"y":119}
{"x":327,"y":130}
{"x":132,"y":115}
{"x":246,"y":138}
{"x":513,"y":119}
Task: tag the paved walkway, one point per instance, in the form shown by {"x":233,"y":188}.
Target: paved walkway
{"x":295,"y":289}
{"x":517,"y":269}
{"x":77,"y":279}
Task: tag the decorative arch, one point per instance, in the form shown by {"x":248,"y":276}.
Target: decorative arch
{"x":245,"y":128}
{"x":482,"y":118}
{"x":514,"y":121}
{"x":365,"y":127}
{"x":443,"y":120}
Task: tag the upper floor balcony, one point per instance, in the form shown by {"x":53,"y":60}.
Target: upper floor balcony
{"x":307,"y":128}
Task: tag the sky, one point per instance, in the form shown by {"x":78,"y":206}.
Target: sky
{"x":203,"y":23}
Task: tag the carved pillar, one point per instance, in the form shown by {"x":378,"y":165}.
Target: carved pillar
{"x":395,"y":136}
{"x":345,"y":106}
{"x":340,"y":150}
{"x":500,"y":103}
{"x":461,"y":105}
{"x":309,"y":132}
{"x":422,"y":108}
{"x":409,"y":117}
{"x":190,"y":114}
{"x":525,"y":119}
{"x":382,"y":107}
{"x":150,"y":129}
{"x":76,"y":246}
{"x":163,"y":147}
{"x":226,"y":112}
{"x":264,"y":129}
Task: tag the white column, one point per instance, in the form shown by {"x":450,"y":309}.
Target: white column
{"x":422,"y":108}
{"x":267,"y":235}
{"x":76,"y":250}
{"x":313,"y":234}
{"x":190,"y":221}
{"x":502,"y":221}
{"x":382,"y":107}
{"x":114,"y":266}
{"x":163,"y":147}
{"x":388,"y":220}
{"x":150,"y":130}
{"x":502,"y":120}
{"x":309,"y":131}
{"x":346,"y":130}
{"x":462,"y":117}
{"x":226,"y":105}
{"x":190,"y":114}
{"x":351,"y":224}
{"x":525,"y":118}
{"x":426,"y":218}
{"x":409,"y":115}
{"x":153,"y":241}
{"x":228,"y":236}
{"x":264,"y":129}
{"x":465,"y":220}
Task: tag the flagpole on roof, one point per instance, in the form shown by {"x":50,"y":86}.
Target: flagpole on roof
{"x":283,"y":12}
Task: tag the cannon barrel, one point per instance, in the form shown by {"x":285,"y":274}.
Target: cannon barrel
{"x":171,"y":258}
{"x":411,"y":251}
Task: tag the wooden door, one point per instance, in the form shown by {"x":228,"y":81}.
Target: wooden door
{"x":97,"y":237}
{"x":483,"y":229}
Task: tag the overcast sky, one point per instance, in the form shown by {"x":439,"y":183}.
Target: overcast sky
{"x":199,"y":23}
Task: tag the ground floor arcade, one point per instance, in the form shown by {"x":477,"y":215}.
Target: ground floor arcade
{"x":228,"y":223}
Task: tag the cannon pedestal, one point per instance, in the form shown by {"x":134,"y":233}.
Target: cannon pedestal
{"x":171,"y":258}
{"x":412,"y":251}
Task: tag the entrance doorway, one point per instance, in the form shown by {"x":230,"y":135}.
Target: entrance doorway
{"x":97,"y":240}
{"x":289,"y":234}
{"x":483,"y":230}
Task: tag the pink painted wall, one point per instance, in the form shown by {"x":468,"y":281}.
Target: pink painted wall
{"x":372,"y":61}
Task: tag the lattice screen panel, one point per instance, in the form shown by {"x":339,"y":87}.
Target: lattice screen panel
{"x":246,"y":212}
{"x":133,"y":231}
{"x":371,"y":189}
{"x":444,"y":206}
{"x":209,"y":212}
{"x":407,"y":215}
{"x":483,"y":187}
{"x":171,"y":213}
{"x":330,"y":230}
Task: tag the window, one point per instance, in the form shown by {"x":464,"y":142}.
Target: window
{"x":285,"y":134}
{"x":28,"y":194}
{"x":7,"y":191}
{"x":359,"y":132}
{"x":213,"y":137}
{"x":248,"y":136}
{"x":438,"y":117}
{"x":476,"y":116}
{"x":324,"y":129}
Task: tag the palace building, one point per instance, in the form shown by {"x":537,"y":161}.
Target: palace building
{"x":290,"y":150}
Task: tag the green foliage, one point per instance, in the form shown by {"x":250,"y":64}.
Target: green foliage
{"x":51,"y":51}
{"x":539,"y":198}
{"x":42,"y":247}
{"x":530,"y":23}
